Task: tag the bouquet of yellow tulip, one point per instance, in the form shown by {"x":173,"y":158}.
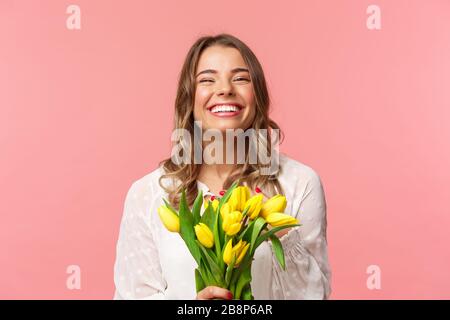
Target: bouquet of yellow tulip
{"x":223,"y":240}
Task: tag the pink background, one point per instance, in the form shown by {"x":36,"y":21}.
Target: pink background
{"x":84,"y":113}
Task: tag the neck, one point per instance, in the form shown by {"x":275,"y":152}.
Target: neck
{"x":221,"y":169}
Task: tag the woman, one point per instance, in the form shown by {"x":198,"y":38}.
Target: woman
{"x":222,"y":87}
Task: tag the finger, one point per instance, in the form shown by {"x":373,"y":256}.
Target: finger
{"x":211,"y":292}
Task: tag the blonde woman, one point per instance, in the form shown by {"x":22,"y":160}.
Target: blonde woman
{"x":222,"y":87}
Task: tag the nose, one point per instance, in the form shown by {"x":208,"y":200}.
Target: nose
{"x":225,"y":89}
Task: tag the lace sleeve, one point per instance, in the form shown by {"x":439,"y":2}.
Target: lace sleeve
{"x":137,"y":271}
{"x":307,"y":274}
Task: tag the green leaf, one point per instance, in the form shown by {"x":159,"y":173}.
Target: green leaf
{"x":220,"y":231}
{"x":267,"y":234}
{"x":211,"y":280}
{"x":183,"y":204}
{"x":170,"y":207}
{"x":243,"y":280}
{"x":232,"y":288}
{"x":199,"y":283}
{"x":215,"y":270}
{"x":245,"y":263}
{"x":247,"y":232}
{"x":187,"y":229}
{"x":229,"y":271}
{"x":278,"y":249}
{"x":208,"y":217}
{"x":247,"y":293}
{"x":216,"y":232}
{"x":211,"y":253}
{"x":206,"y":275}
{"x":196,"y":207}
{"x":260,"y":223}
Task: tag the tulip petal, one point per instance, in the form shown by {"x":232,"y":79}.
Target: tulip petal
{"x":204,"y":235}
{"x":242,"y":253}
{"x":275,"y":204}
{"x":169,"y":219}
{"x":227,"y":252}
{"x":279,"y":219}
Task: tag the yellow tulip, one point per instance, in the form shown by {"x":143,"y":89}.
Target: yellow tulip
{"x":214,"y":203}
{"x":204,"y":235}
{"x":228,"y":252}
{"x":224,"y":210}
{"x":169,"y":219}
{"x":232,"y":222}
{"x":238,"y":251}
{"x":254,"y":205}
{"x":275,"y":204}
{"x":276,"y":219}
{"x":242,"y":253}
{"x":238,"y":198}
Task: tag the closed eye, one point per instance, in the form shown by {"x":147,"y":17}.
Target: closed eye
{"x":237,"y":79}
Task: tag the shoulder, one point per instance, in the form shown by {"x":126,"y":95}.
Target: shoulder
{"x":144,"y":196}
{"x":302,"y":185}
{"x":147,"y":186}
{"x":294,"y":173}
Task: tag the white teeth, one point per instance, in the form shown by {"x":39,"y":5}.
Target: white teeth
{"x":224,"y":108}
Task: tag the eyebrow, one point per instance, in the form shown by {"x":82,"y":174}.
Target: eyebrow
{"x":235,"y":70}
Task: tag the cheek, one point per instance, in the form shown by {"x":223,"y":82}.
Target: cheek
{"x":250,"y":101}
{"x":201,"y":98}
{"x":202,"y":94}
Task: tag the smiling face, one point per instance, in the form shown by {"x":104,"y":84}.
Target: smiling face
{"x":224,"y":96}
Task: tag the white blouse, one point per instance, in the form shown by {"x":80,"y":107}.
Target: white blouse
{"x":153,"y":263}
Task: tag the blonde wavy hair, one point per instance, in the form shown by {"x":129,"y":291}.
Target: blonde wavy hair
{"x":247,"y":173}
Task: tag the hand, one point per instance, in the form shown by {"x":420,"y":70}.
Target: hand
{"x":280,"y":233}
{"x":213,"y":292}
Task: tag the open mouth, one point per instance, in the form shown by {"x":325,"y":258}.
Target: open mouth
{"x":225,"y":110}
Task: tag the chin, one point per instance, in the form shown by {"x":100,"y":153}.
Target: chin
{"x":224,"y":126}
